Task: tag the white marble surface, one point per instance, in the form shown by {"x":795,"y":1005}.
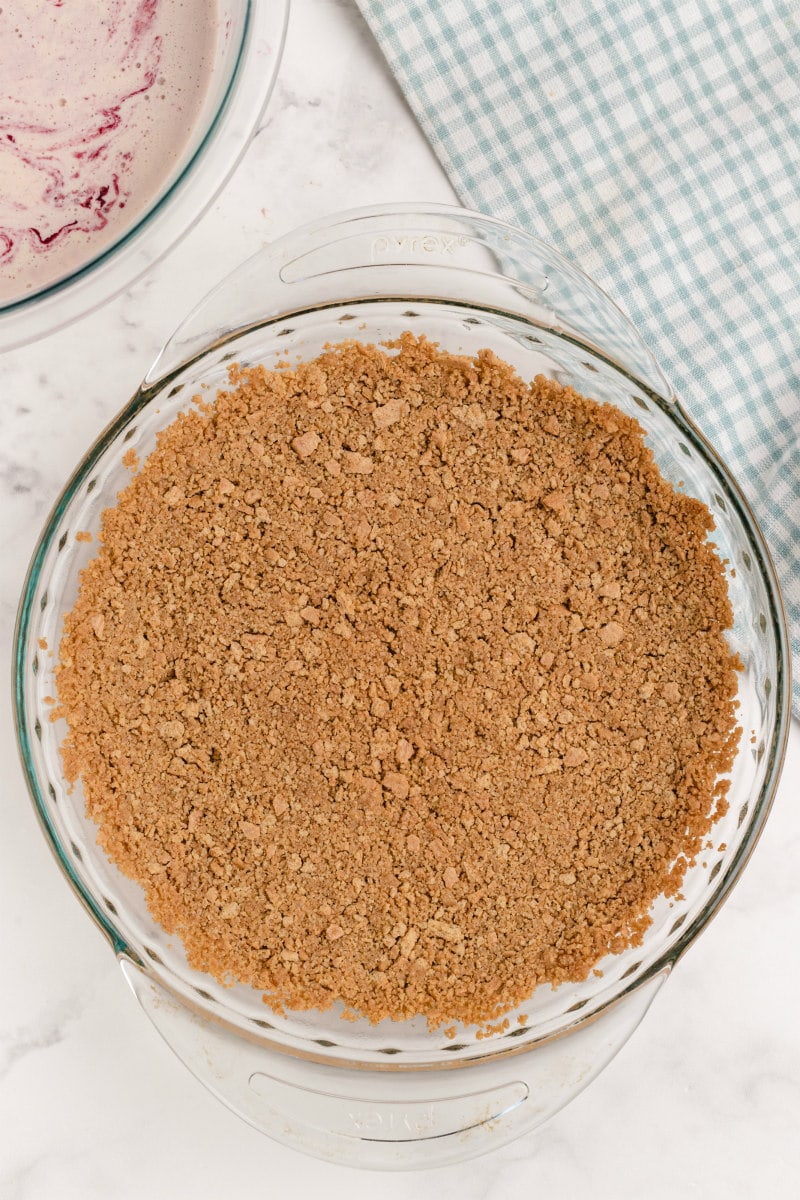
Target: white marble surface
{"x":703,"y":1101}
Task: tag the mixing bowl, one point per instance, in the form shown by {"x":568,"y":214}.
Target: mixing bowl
{"x":249,"y":43}
{"x":396,"y":1094}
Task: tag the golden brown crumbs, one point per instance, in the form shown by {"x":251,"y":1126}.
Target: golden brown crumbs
{"x":42,"y":643}
{"x":83,"y":535}
{"x":401,"y":682}
{"x":492,"y":1030}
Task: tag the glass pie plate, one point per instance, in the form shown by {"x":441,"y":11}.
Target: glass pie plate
{"x":249,"y":45}
{"x":395,"y":1095}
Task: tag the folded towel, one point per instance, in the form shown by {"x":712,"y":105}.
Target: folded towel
{"x":657,"y":144}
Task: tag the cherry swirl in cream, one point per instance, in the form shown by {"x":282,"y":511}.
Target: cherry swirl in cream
{"x":98,"y":99}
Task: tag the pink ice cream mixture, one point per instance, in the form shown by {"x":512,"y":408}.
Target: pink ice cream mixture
{"x":98,"y":102}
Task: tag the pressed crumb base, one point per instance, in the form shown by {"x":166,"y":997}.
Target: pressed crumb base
{"x":401,"y":682}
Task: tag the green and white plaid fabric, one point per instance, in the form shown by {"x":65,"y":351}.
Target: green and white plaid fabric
{"x":656,"y":143}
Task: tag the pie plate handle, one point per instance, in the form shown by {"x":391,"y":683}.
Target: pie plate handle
{"x":389,"y":1119}
{"x":424,"y":253}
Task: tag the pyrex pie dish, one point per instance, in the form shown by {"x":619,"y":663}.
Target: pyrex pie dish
{"x":249,"y":44}
{"x":395,"y":1094}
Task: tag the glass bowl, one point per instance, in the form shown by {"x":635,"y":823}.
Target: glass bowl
{"x":250,"y":37}
{"x":396,"y":1094}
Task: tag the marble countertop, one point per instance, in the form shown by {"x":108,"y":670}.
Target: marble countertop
{"x":704,"y":1100}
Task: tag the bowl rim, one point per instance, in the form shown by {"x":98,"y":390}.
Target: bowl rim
{"x":764,"y":567}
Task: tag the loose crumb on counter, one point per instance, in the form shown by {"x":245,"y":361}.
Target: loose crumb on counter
{"x":401,"y":682}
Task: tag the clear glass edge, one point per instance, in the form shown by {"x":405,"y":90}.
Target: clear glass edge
{"x":295,"y":243}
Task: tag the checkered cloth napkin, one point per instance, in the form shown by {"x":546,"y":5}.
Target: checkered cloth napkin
{"x":657,"y":144}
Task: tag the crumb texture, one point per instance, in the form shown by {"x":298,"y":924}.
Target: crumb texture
{"x":399,"y":681}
